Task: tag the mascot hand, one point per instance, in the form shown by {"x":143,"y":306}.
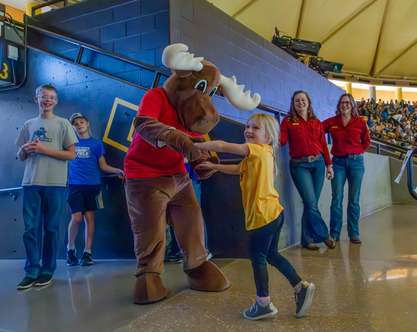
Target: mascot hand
{"x":151,"y":130}
{"x":183,"y":143}
{"x":201,"y":171}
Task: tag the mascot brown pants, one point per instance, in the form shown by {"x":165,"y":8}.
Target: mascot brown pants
{"x":150,"y":201}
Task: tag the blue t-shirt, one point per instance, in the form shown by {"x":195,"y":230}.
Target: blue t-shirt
{"x":85,"y":169}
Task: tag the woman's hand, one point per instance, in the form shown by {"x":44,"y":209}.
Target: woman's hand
{"x":329,"y":172}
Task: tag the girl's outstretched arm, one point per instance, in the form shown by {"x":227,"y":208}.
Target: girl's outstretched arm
{"x":228,"y":169}
{"x":222,"y":146}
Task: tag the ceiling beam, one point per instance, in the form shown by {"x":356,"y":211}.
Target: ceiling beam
{"x":241,"y":10}
{"x":381,"y":30}
{"x":405,"y":50}
{"x":349,"y":19}
{"x":300,"y":18}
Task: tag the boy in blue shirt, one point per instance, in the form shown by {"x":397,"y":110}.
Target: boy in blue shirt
{"x":84,"y":192}
{"x":46,"y":143}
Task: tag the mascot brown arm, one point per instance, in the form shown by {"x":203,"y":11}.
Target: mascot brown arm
{"x":159,"y":135}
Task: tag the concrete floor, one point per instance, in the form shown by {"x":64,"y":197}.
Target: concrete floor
{"x":368,"y":287}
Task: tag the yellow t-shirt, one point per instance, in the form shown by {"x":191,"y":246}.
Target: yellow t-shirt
{"x":260,"y":199}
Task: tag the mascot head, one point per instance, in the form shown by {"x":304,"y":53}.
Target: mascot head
{"x":192,"y":85}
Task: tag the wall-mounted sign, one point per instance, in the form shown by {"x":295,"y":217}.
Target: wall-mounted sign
{"x":6,"y":73}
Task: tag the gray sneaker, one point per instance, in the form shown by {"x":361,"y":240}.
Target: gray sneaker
{"x":86,"y":259}
{"x":304,"y":299}
{"x":257,"y":312}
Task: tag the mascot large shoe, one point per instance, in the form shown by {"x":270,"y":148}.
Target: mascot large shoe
{"x":157,"y":185}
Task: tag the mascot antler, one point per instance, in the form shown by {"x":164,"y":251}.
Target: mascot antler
{"x":235,"y":95}
{"x":176,"y":57}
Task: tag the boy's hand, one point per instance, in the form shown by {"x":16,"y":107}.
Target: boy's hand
{"x":35,"y":147}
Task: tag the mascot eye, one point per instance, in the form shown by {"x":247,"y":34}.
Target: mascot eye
{"x":212,"y":92}
{"x":201,"y":85}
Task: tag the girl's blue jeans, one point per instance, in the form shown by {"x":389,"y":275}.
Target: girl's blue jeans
{"x":308,"y":179}
{"x":264,"y":249}
{"x":351,"y":169}
{"x":42,"y":210}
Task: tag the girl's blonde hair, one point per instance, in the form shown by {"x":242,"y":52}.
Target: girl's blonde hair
{"x":272,"y":132}
{"x":271,"y":126}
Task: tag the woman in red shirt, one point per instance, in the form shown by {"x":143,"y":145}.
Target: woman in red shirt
{"x":309,"y":155}
{"x":350,"y":138}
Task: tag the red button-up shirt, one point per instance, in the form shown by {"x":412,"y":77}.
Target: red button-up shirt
{"x":352,"y":139}
{"x":306,"y":138}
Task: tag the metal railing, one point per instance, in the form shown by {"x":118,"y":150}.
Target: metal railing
{"x":11,"y":192}
{"x":410,"y":175}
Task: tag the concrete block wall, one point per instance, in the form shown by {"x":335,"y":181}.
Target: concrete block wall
{"x":138,"y":29}
{"x":258,"y":64}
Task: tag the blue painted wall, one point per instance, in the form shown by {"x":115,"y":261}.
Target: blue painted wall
{"x":137,"y":29}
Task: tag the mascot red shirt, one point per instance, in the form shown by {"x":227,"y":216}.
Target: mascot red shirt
{"x":145,"y":161}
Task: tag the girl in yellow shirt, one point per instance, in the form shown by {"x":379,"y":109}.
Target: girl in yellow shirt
{"x":263,"y":213}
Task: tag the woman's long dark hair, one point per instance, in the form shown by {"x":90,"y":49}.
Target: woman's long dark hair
{"x":293,"y":112}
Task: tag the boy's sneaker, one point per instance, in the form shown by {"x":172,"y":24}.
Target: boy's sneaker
{"x":72,"y":258}
{"x":303,"y":299}
{"x":258,"y":312}
{"x":43,"y":280}
{"x":86,"y":260}
{"x":27,"y":282}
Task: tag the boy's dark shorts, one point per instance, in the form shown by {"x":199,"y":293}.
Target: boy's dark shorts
{"x":82,"y":198}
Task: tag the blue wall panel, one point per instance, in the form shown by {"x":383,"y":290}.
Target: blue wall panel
{"x":97,"y":98}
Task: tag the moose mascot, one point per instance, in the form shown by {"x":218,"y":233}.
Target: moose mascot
{"x":158,"y":188}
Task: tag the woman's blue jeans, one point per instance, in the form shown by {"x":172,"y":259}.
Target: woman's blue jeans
{"x":351,"y":169}
{"x":264,"y":249}
{"x":42,"y":210}
{"x":308,"y":179}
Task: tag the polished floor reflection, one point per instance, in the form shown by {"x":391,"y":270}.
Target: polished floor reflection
{"x":367,"y":287}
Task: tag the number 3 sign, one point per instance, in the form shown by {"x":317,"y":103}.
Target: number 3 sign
{"x":3,"y":73}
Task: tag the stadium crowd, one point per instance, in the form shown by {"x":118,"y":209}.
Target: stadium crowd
{"x":394,"y":122}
